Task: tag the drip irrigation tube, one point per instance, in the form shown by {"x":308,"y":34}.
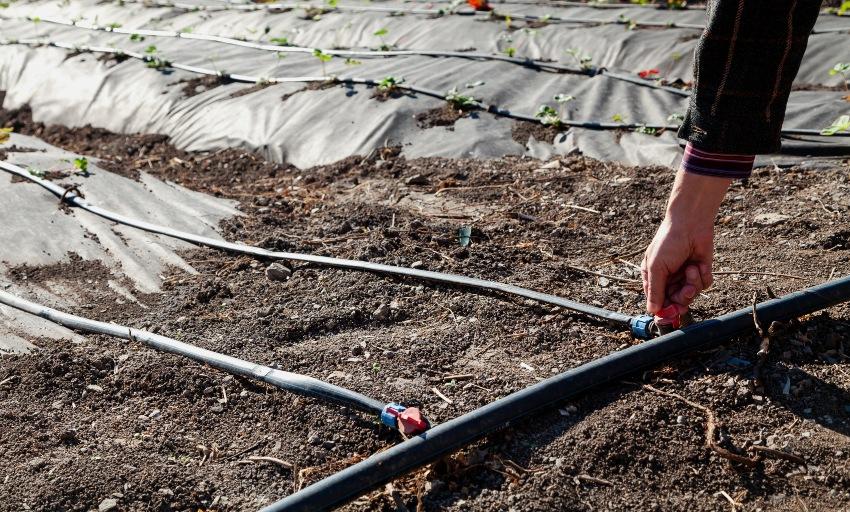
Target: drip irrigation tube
{"x":639,"y":325}
{"x":441,"y":440}
{"x":479,"y":105}
{"x":540,"y":65}
{"x":301,"y":384}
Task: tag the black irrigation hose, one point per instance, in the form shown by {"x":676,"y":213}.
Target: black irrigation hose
{"x":638,"y":325}
{"x":441,"y":440}
{"x":301,"y":384}
{"x":478,"y":105}
{"x":540,"y":65}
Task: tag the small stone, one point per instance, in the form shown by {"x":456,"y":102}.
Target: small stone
{"x":604,"y":282}
{"x":416,"y":264}
{"x":770,"y":219}
{"x":416,"y":179}
{"x":154,"y":414}
{"x":314,"y":440}
{"x":680,"y":420}
{"x":95,"y":388}
{"x":278,"y":272}
{"x":264,"y":312}
{"x":382,"y":313}
{"x":357,"y":350}
{"x":217,"y":408}
{"x":107,"y":505}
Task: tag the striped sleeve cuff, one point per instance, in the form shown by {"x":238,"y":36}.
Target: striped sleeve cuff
{"x":720,"y":165}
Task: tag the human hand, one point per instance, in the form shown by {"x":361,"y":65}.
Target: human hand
{"x":677,"y":263}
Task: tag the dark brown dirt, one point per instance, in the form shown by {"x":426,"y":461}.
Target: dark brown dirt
{"x":140,"y":436}
{"x":194,"y":86}
{"x":445,"y":115}
{"x":521,"y":131}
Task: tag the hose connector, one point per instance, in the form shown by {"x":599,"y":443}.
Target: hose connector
{"x":408,"y":420}
{"x":641,"y":327}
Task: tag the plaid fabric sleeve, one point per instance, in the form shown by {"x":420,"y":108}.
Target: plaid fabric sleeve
{"x":721,"y":165}
{"x":745,"y":63}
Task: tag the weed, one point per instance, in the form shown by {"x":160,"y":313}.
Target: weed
{"x":460,"y":101}
{"x":114,"y":25}
{"x":4,"y":134}
{"x":323,"y":57}
{"x":842,"y":124}
{"x":137,"y":38}
{"x":35,"y":19}
{"x":843,"y":69}
{"x":584,"y":61}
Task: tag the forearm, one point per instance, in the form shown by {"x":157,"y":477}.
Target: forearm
{"x":695,"y":200}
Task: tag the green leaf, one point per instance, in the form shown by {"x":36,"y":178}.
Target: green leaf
{"x":510,"y":51}
{"x":150,"y":49}
{"x":114,"y":25}
{"x":844,"y":9}
{"x":82,"y":164}
{"x":382,"y":32}
{"x":352,"y":62}
{"x":136,"y":37}
{"x":563,"y":98}
{"x":280,"y":41}
{"x":322,"y":56}
{"x":840,"y":68}
{"x":842,"y":124}
{"x":617,"y":118}
{"x":4,"y":134}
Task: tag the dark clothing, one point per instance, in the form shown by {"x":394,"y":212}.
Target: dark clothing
{"x":745,"y":63}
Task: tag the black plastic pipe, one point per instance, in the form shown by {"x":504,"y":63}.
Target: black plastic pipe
{"x":638,"y":325}
{"x":296,"y":383}
{"x":443,"y":439}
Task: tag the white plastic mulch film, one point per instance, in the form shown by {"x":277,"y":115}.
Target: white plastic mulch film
{"x":310,"y":126}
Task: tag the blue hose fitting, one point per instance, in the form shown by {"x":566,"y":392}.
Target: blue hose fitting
{"x":641,"y":327}
{"x":389,"y":416}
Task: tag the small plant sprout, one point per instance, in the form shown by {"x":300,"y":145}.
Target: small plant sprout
{"x":352,"y":62}
{"x":323,"y":57}
{"x":844,"y":10}
{"x":548,"y":116}
{"x":389,"y":84}
{"x":381,"y":34}
{"x":618,"y":118}
{"x":460,"y":101}
{"x":137,"y":38}
{"x":280,"y":41}
{"x":82,"y":165}
{"x":675,"y":118}
{"x":646,"y":130}
{"x":35,"y":171}
{"x":150,"y":50}
{"x":508,"y":22}
{"x":842,"y":124}
{"x":843,"y":69}
{"x":628,"y":22}
{"x":510,"y":51}
{"x":332,"y":3}
{"x":4,"y":134}
{"x":584,"y":61}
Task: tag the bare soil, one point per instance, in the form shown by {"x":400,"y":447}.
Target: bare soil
{"x":112,"y":420}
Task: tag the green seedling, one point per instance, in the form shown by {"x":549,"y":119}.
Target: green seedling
{"x":584,"y":61}
{"x":675,"y":117}
{"x":323,"y":57}
{"x":618,"y":118}
{"x":677,"y":4}
{"x":151,"y":50}
{"x":510,"y":51}
{"x":332,"y":3}
{"x":843,"y":69}
{"x":549,"y":116}
{"x":4,"y":134}
{"x":114,"y":25}
{"x":844,"y":10}
{"x":628,"y":22}
{"x":381,"y":34}
{"x":38,"y":173}
{"x":137,"y":38}
{"x":460,"y":101}
{"x":4,"y":5}
{"x":352,"y":62}
{"x":35,"y":19}
{"x":842,"y":124}
{"x":82,"y":165}
{"x":389,"y":84}
{"x":646,"y":130}
{"x":280,"y":41}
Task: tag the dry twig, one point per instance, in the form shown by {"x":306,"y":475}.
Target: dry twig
{"x":710,"y":428}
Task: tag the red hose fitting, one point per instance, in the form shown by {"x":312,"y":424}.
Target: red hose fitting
{"x":669,"y":317}
{"x":411,"y":422}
